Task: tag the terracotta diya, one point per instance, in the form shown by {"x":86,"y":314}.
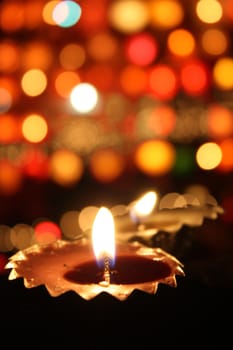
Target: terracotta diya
{"x":90,"y":269}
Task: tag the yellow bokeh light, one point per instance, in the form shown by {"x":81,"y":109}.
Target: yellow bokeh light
{"x":223,"y":73}
{"x":128,"y":16}
{"x":209,"y":11}
{"x":47,"y":13}
{"x":34,"y":82}
{"x":66,"y":167}
{"x":208,"y":156}
{"x":155,"y":157}
{"x":166,"y":14}
{"x":34,"y":128}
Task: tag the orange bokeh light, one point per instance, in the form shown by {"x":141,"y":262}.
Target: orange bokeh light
{"x":106,"y":165}
{"x":155,"y":157}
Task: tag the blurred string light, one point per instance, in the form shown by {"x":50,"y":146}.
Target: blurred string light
{"x":82,"y":82}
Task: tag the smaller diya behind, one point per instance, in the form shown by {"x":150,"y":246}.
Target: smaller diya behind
{"x":90,"y":268}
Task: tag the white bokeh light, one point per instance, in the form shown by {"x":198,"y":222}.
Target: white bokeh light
{"x":84,"y":97}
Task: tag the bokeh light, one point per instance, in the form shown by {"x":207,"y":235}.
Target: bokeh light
{"x":166,"y":14}
{"x":195,"y":77}
{"x":214,"y":41}
{"x":72,"y":56}
{"x":226,"y":147}
{"x":35,"y":164}
{"x":5,"y":100}
{"x":66,"y":13}
{"x":11,"y":23}
{"x":84,"y":97}
{"x":9,"y":56}
{"x":141,"y":49}
{"x":22,"y":236}
{"x":66,"y":168}
{"x":155,"y":157}
{"x":10,"y":129}
{"x":46,"y":232}
{"x":11,"y":178}
{"x":65,"y":81}
{"x":47,"y":12}
{"x":162,"y":120}
{"x":106,"y":165}
{"x":181,"y":42}
{"x":219,"y":121}
{"x":128,"y":16}
{"x":133,"y":80}
{"x":102,"y":46}
{"x":209,"y":11}
{"x":163,"y":82}
{"x":223,"y":73}
{"x":34,"y":128}
{"x":37,"y":54}
{"x":208,"y":156}
{"x":69,"y":223}
{"x":34,"y":82}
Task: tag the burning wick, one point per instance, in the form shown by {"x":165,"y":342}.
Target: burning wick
{"x":103,"y":242}
{"x":107,"y":273}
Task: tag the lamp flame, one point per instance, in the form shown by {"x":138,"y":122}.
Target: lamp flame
{"x":145,"y":205}
{"x":103,"y":236}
